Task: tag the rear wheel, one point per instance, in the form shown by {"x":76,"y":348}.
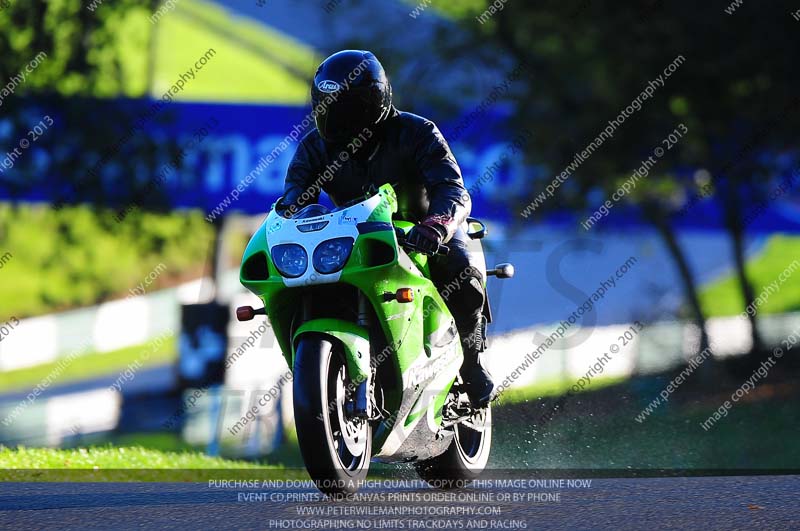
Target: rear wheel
{"x":336,"y":448}
{"x":465,"y":458}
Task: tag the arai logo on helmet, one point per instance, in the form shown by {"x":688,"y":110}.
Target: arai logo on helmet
{"x":328,"y":86}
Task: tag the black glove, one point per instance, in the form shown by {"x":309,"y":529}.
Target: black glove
{"x":425,"y":237}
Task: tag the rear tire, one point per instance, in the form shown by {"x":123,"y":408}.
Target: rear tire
{"x":336,"y":449}
{"x":465,"y":458}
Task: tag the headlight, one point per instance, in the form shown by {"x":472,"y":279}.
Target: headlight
{"x":290,"y":259}
{"x":330,"y":256}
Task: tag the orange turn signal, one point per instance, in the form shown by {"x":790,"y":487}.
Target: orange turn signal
{"x":404,"y":295}
{"x":245,"y":313}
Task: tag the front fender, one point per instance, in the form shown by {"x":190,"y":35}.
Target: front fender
{"x":353,"y":338}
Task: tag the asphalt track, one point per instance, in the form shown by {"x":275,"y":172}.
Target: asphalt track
{"x":754,"y":502}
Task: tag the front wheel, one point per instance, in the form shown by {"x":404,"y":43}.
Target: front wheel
{"x":336,"y":449}
{"x":465,"y":458}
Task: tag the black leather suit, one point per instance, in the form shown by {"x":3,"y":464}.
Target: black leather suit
{"x":409,"y":152}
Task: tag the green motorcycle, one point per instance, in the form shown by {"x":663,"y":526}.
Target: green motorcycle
{"x":374,"y":350}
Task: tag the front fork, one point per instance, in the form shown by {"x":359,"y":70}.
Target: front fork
{"x":357,"y":400}
{"x":361,"y":403}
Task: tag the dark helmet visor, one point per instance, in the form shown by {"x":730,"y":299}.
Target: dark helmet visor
{"x":344,"y":118}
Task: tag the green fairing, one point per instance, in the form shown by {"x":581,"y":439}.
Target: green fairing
{"x":372,"y":281}
{"x":354,"y":338}
{"x":406,"y":326}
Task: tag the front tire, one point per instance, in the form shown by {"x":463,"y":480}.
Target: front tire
{"x":465,"y":458}
{"x":336,"y":449}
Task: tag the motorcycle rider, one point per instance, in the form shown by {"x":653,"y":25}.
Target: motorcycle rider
{"x":352,"y":105}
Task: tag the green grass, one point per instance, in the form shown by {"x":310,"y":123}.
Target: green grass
{"x":723,"y":296}
{"x":252,"y":62}
{"x":160,"y":441}
{"x":90,"y":365}
{"x":82,"y":256}
{"x":131,"y":463}
{"x":112,"y":457}
{"x":453,"y":9}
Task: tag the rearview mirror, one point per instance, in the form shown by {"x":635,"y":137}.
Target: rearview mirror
{"x":476,"y":229}
{"x":502,"y":271}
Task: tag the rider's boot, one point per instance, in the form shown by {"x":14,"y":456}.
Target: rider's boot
{"x":477,"y":382}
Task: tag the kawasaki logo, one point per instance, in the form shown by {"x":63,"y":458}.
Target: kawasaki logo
{"x":328,"y":86}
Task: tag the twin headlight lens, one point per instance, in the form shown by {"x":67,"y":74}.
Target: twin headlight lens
{"x":290,"y":259}
{"x":329,"y":257}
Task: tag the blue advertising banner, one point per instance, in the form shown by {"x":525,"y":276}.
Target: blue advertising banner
{"x":233,"y":157}
{"x":259,"y":142}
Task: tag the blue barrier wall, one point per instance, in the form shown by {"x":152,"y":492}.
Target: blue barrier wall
{"x":223,"y":143}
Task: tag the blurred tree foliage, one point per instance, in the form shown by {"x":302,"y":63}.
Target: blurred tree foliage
{"x":736,"y":93}
{"x":88,"y":52}
{"x":80,"y":256}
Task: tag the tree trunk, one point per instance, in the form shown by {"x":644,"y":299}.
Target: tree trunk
{"x":659,"y":219}
{"x":733,"y":221}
